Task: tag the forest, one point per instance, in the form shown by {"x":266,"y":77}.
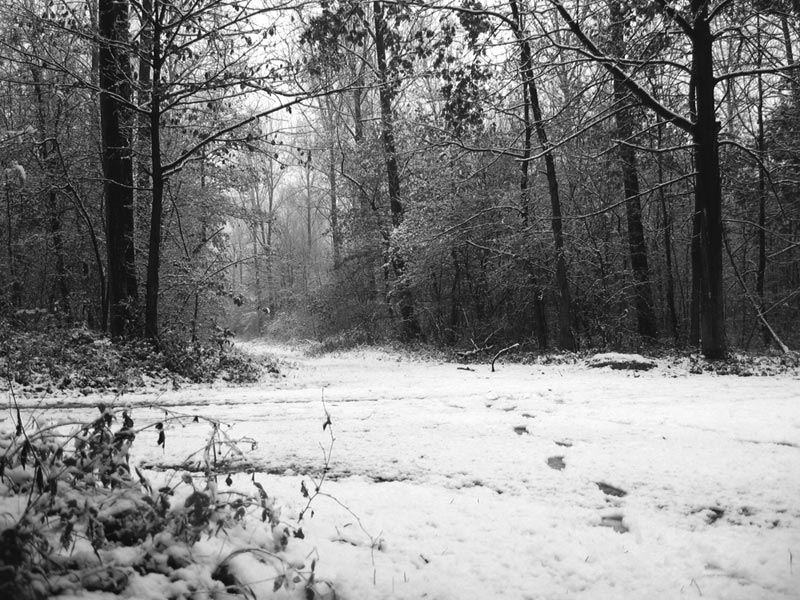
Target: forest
{"x":559,"y":174}
{"x":259,"y":260}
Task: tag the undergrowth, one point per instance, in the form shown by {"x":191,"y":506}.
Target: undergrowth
{"x":747,"y":365}
{"x":89,"y":521}
{"x":44,"y":361}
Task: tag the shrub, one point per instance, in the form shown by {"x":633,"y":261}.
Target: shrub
{"x":84,"y":506}
{"x":83,"y":360}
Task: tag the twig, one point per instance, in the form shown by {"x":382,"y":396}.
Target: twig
{"x":327,"y":455}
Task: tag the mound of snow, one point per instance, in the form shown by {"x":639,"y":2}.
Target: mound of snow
{"x":616,"y":360}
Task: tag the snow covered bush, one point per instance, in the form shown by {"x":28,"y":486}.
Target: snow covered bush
{"x":77,"y":518}
{"x":79,"y":359}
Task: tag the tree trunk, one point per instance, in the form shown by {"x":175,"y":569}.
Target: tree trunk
{"x":667,"y":224}
{"x":761,"y":152}
{"x":115,"y":93}
{"x":257,"y":273}
{"x":794,"y":77}
{"x":336,"y":234}
{"x":643,"y":291}
{"x":157,"y":179}
{"x":268,"y":252}
{"x":142,"y":165}
{"x":326,"y":106}
{"x":708,"y":191}
{"x":308,"y":262}
{"x":154,"y":247}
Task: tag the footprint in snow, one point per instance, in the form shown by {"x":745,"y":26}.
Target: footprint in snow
{"x":610,"y":490}
{"x":615,"y":522}
{"x":712,"y":514}
{"x":521,"y":429}
{"x":556,"y":462}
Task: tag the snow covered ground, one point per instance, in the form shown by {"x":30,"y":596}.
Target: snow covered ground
{"x":545,"y":482}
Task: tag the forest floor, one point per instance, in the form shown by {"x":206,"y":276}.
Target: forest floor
{"x":449,"y":481}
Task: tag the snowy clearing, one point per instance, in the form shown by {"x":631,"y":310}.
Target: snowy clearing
{"x":547,"y":482}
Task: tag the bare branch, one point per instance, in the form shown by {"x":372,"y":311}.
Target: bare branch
{"x":612,"y":66}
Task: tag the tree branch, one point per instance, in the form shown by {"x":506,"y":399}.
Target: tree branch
{"x":611,"y":65}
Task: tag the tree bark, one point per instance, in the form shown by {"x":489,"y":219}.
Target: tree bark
{"x":336,"y":234}
{"x":268,"y":250}
{"x":708,"y":190}
{"x":115,"y":93}
{"x":794,"y":76}
{"x":157,"y":179}
{"x":761,"y":152}
{"x":667,"y":224}
{"x":144,"y":90}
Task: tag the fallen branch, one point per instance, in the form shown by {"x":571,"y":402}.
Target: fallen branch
{"x":503,"y":351}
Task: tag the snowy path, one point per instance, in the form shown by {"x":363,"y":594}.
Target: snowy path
{"x":485,"y":485}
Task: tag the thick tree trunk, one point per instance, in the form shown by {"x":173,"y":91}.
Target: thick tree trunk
{"x":637,"y":245}
{"x":708,"y":191}
{"x":115,"y":92}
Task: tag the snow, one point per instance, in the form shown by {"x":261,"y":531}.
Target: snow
{"x":617,"y":360}
{"x":439,"y":483}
